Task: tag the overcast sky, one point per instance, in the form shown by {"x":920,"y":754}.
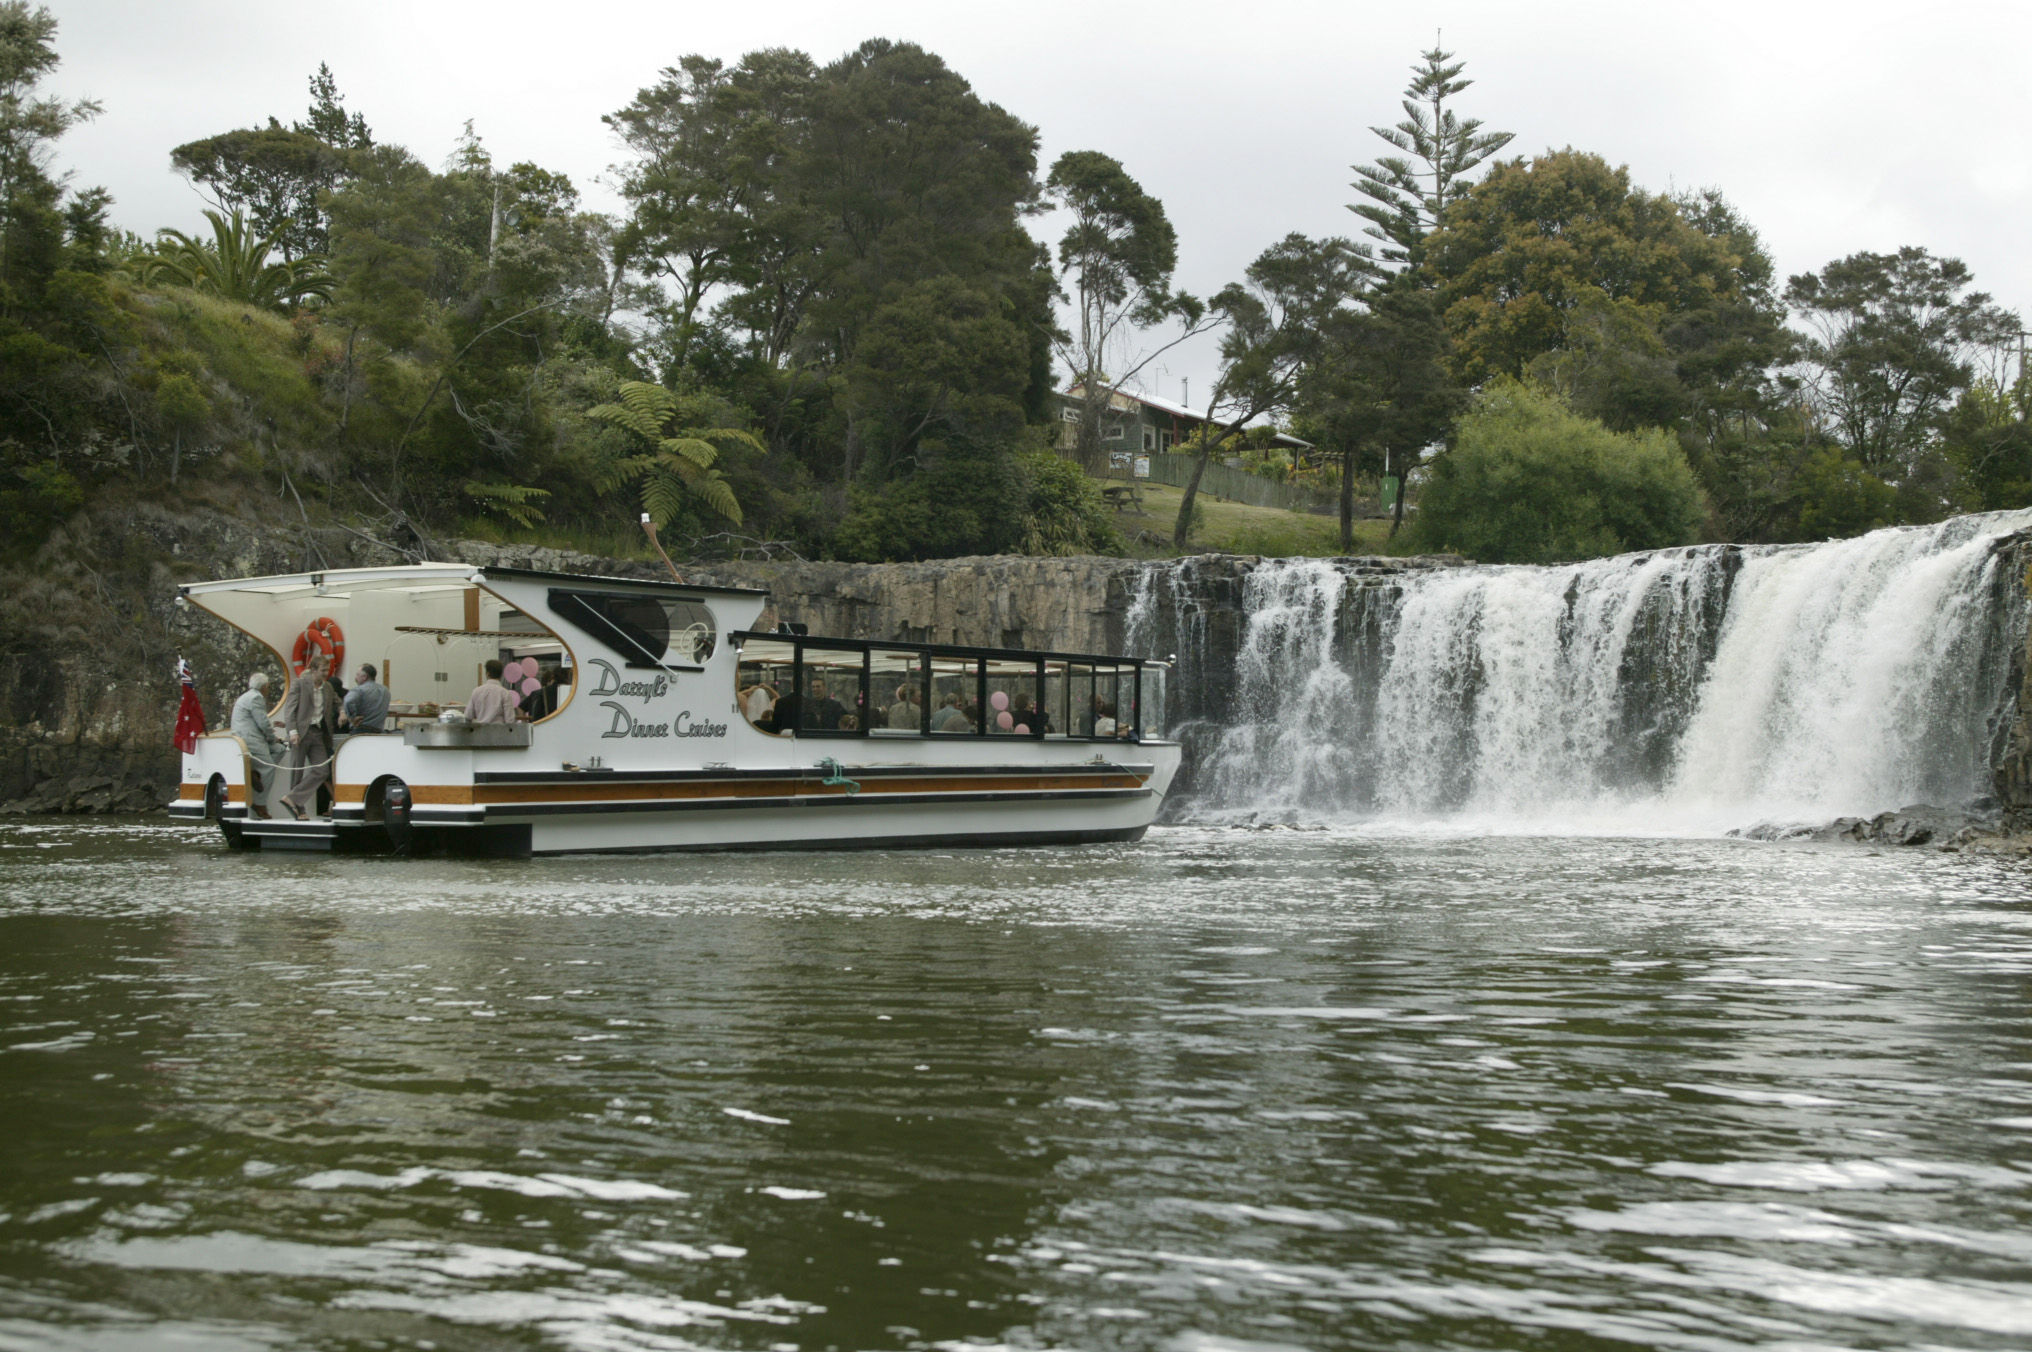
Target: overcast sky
{"x":1835,"y":128}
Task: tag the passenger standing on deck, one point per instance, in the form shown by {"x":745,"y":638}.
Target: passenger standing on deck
{"x":543,"y":701}
{"x":309,"y":718}
{"x":250,"y":725}
{"x":491,"y":701}
{"x":366,"y":704}
{"x":903,"y":713}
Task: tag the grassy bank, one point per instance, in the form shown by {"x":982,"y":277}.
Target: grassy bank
{"x":1237,"y":528}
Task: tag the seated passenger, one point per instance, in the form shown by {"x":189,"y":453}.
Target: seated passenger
{"x":952,"y":716}
{"x":850,"y":722}
{"x":757,"y":700}
{"x":903,"y":713}
{"x":1104,"y":719}
{"x":826,"y":712}
{"x":366,"y":704}
{"x":782,"y":715}
{"x":491,"y":701}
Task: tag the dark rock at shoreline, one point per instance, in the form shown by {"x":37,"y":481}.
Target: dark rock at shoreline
{"x":1919,"y":824}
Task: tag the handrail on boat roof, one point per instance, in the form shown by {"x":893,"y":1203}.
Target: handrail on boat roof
{"x":441,"y":573}
{"x":740,"y":636}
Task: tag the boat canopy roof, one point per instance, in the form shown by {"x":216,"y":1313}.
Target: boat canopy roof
{"x":427,"y":577}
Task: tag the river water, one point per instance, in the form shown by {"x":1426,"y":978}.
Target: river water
{"x":1225,"y":1090}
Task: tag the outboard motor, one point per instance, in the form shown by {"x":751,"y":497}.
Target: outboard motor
{"x":395,"y":806}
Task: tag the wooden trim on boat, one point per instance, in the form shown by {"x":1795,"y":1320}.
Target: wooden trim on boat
{"x":916,"y":784}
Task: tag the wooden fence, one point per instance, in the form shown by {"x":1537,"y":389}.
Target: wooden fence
{"x":1234,"y":485}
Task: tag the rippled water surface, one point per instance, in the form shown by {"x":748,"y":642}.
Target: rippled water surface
{"x":1223,"y":1090}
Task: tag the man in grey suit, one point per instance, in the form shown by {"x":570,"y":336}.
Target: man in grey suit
{"x":310,"y":717}
{"x":250,"y":724}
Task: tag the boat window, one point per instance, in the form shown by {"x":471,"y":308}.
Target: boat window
{"x":1152,"y":682}
{"x":644,"y":629}
{"x":832,"y":695}
{"x":955,"y":685}
{"x":896,"y":678}
{"x":764,"y":674}
{"x":1057,"y":698}
{"x":1095,"y":703}
{"x":1012,"y":698}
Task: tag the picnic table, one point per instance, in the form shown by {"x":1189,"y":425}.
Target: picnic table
{"x":1119,"y":496}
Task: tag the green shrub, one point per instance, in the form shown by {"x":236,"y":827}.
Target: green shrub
{"x":965,"y":503}
{"x":1530,"y":481}
{"x":34,"y":498}
{"x":1065,"y":513}
{"x":1838,"y":497}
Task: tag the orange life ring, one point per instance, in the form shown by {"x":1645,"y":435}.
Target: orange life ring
{"x":321,"y":635}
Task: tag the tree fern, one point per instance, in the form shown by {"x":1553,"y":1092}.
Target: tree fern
{"x":680,"y":467}
{"x":517,"y":502}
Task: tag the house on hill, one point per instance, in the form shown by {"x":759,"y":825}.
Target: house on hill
{"x":1134,"y":424}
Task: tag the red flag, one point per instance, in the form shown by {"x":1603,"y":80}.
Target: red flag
{"x":190,"y":715}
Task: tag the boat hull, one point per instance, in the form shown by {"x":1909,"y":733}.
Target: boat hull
{"x":863,"y":807}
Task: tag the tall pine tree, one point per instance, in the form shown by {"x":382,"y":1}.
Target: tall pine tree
{"x":1409,"y":192}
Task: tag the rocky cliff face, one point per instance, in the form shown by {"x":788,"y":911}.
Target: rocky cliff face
{"x":1006,"y":601}
{"x":2014,"y":755}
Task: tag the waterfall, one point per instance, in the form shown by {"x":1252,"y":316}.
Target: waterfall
{"x":1686,"y":689}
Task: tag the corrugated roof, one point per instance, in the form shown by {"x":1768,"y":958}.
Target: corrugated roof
{"x":1179,"y":410}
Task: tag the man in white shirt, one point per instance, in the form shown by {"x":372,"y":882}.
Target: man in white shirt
{"x":491,"y":701}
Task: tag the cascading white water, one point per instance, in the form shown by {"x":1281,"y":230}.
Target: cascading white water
{"x":1687,"y":689}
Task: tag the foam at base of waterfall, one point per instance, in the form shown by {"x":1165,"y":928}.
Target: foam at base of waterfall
{"x":1683,"y":691}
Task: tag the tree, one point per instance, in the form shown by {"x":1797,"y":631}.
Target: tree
{"x":1377,"y":393}
{"x":275,"y":177}
{"x":1274,"y":319}
{"x":328,"y":119}
{"x":280,"y":177}
{"x":183,"y":408}
{"x":687,"y":191}
{"x":57,"y":315}
{"x":1408,"y":201}
{"x":942,"y":366}
{"x":31,"y":224}
{"x":1533,"y":246}
{"x":1116,"y":257}
{"x":234,"y":265}
{"x":1528,"y":480}
{"x":382,"y":260}
{"x":803,"y":216}
{"x":30,"y":126}
{"x":1989,"y":439}
{"x":1894,"y":338}
{"x":679,"y":468}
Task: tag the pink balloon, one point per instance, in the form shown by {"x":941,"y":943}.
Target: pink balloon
{"x":530,"y":685}
{"x":512,"y":673}
{"x":1000,"y":700}
{"x":1023,"y":728}
{"x":514,"y":700}
{"x":1004,"y":721}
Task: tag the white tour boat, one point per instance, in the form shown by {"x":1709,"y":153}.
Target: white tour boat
{"x":659,"y":739}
